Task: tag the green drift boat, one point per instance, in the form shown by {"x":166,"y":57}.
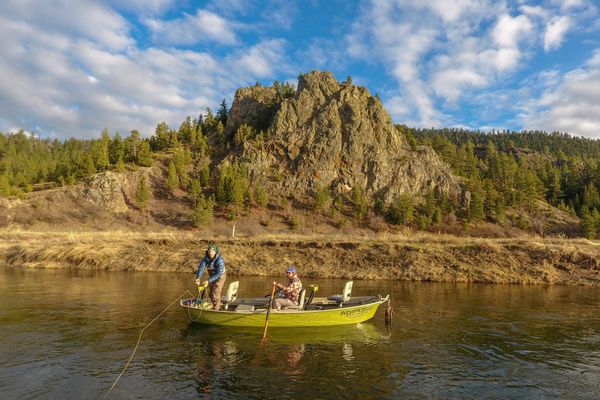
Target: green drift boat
{"x":314,"y":311}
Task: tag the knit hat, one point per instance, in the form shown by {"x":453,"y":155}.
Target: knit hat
{"x":291,"y":268}
{"x":213,"y":247}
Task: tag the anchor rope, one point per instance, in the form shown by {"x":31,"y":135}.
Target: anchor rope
{"x":140,"y":338}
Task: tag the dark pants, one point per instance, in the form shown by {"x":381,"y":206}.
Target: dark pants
{"x":215,"y":292}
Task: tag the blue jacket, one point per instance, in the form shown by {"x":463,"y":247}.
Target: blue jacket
{"x":216,"y":267}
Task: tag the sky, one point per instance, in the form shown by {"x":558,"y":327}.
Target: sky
{"x":72,"y":68}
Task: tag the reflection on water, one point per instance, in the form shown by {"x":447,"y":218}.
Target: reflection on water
{"x":68,"y":334}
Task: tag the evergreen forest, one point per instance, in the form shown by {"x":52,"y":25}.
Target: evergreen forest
{"x":503,"y":171}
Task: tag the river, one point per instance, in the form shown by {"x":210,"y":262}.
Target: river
{"x":68,"y":334}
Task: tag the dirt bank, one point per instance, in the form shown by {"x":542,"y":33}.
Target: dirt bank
{"x":420,"y":257}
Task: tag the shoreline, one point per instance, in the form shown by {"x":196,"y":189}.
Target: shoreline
{"x":414,"y":257}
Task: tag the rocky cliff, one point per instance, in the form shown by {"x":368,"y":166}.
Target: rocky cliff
{"x":334,"y":135}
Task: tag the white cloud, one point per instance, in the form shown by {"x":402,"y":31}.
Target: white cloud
{"x":510,"y":31}
{"x":444,"y":55}
{"x":75,"y":84}
{"x":569,"y":103}
{"x":85,"y":20}
{"x":260,"y":59}
{"x":281,"y":13}
{"x":192,"y":29}
{"x":535,"y":11}
{"x":449,"y":82}
{"x":569,"y":4}
{"x":555,"y":32}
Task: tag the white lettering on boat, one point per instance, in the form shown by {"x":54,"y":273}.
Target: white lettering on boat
{"x":355,"y":312}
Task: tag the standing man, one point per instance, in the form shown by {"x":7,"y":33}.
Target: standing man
{"x":216,"y":274}
{"x":291,"y":292}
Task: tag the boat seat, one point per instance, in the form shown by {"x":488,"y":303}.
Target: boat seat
{"x":231,"y":294}
{"x":244,"y":307}
{"x":345,"y":296}
{"x":300,"y":305}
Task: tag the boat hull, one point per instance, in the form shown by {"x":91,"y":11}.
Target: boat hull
{"x":285,"y":318}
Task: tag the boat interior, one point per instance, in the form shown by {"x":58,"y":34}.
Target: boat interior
{"x":307,"y":302}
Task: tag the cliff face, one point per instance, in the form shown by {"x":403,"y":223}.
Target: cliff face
{"x":337,"y":135}
{"x":254,"y":104}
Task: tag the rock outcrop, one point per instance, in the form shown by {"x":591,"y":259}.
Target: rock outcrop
{"x":104,"y":190}
{"x":335,"y":135}
{"x":255,"y":105}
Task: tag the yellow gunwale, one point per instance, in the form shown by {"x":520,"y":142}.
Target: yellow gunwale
{"x":344,"y":315}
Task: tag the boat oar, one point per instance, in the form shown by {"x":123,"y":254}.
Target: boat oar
{"x":268,"y":312}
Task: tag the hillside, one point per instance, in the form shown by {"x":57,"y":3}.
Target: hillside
{"x":323,"y":157}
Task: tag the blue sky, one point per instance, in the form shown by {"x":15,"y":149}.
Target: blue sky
{"x":71,"y":68}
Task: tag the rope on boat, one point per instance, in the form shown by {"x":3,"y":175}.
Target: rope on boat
{"x":140,"y":338}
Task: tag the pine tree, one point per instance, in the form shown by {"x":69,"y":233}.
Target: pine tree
{"x":195,"y":189}
{"x":103,"y":162}
{"x":475,"y":212}
{"x":220,"y":132}
{"x":402,"y":212}
{"x":5,"y":189}
{"x":588,"y":224}
{"x":359,"y":202}
{"x":591,"y":198}
{"x":322,"y":199}
{"x":99,"y":153}
{"x":243,"y":133}
{"x":172,"y":179}
{"x":144,"y":155}
{"x":204,"y":175}
{"x":88,"y":168}
{"x":201,"y":146}
{"x":233,"y":184}
{"x":180,"y":166}
{"x":186,"y":131}
{"x":161,"y":137}
{"x":262,"y":197}
{"x":120,"y":165}
{"x":203,"y":212}
{"x":223,"y":112}
{"x":133,"y":145}
{"x":116,"y":150}
{"x":142,"y":194}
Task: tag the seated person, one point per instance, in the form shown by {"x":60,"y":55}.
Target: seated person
{"x":291,"y":292}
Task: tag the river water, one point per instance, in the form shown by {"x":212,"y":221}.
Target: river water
{"x":68,"y":335}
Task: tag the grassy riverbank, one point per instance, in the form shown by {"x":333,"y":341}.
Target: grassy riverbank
{"x":420,"y":257}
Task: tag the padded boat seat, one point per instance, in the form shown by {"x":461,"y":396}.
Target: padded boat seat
{"x":231,"y":294}
{"x":345,"y":296}
{"x":300,"y":305}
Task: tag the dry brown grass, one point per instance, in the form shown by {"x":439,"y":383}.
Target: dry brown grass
{"x":404,"y":255}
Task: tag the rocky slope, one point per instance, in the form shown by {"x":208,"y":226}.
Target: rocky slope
{"x":334,"y":135}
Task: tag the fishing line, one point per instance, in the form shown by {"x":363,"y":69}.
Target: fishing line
{"x":140,"y":338}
